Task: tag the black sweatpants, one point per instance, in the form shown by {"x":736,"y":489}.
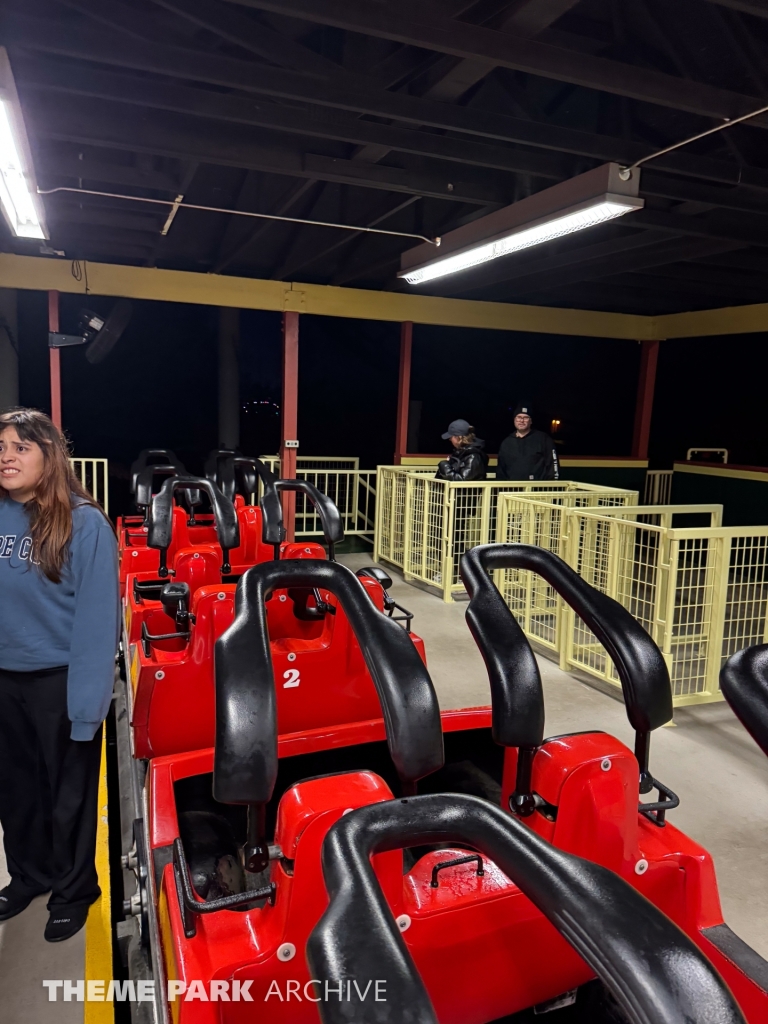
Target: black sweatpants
{"x":49,"y":788}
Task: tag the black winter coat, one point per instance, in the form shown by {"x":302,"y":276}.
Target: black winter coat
{"x":532,"y":457}
{"x":468,"y":463}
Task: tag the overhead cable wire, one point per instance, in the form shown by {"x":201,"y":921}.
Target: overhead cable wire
{"x":177,"y":205}
{"x":728,"y":123}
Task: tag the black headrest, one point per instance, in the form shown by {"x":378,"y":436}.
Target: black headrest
{"x":142,"y":462}
{"x":223,"y":467}
{"x":145,"y":482}
{"x":245,"y":763}
{"x":219,"y":469}
{"x":376,"y":573}
{"x":272,"y":529}
{"x":160,"y":520}
{"x":327,"y":512}
{"x":515,"y":683}
{"x":744,"y":682}
{"x":654,"y":971}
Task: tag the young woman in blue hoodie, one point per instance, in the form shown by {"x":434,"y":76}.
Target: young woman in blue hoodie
{"x":59,"y":621}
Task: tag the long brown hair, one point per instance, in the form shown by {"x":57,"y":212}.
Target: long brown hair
{"x":465,"y":440}
{"x":51,"y":507}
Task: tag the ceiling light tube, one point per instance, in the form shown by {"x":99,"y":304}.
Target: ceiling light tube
{"x":21,"y":206}
{"x":582,"y":202}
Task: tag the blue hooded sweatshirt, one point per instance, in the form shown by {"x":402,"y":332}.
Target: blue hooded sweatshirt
{"x":75,"y":623}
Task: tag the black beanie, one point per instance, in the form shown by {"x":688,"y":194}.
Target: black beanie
{"x":523,"y":407}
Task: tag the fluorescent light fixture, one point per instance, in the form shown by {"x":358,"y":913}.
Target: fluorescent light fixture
{"x":21,"y":205}
{"x":573,"y":205}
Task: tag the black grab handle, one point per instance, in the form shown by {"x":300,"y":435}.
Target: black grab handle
{"x":221,"y":467}
{"x":161,"y":518}
{"x":141,"y":462}
{"x":272,"y":529}
{"x":655,"y":972}
{"x":245,"y":762}
{"x":744,"y":682}
{"x":519,"y":706}
{"x":328,"y":514}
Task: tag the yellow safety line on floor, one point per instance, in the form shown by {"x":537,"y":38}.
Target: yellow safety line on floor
{"x":98,"y":928}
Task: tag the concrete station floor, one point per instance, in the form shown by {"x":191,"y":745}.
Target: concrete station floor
{"x":707,"y":758}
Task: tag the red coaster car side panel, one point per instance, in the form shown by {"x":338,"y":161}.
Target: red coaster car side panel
{"x":322,"y":676}
{"x":557,"y":785}
{"x":497,"y":925}
{"x":652,"y":969}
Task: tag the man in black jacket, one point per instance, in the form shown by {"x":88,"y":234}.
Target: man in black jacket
{"x":527,"y":454}
{"x":468,"y":461}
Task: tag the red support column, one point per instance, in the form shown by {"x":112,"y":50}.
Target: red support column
{"x":649,"y":357}
{"x":54,"y":355}
{"x":290,"y":417}
{"x":403,"y":391}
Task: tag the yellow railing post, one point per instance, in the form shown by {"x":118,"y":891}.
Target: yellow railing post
{"x":93,"y":474}
{"x":408,"y":527}
{"x":447,"y":539}
{"x":567,"y":616}
{"x":720,"y":559}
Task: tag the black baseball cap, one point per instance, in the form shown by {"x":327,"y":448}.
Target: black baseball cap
{"x":457,"y":428}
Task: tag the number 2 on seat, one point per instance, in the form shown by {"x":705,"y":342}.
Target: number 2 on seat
{"x":292,"y":677}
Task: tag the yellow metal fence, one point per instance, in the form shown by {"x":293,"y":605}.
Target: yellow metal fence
{"x":658,"y":487}
{"x":94,"y":476}
{"x":352,"y":489}
{"x":700,"y":592}
{"x":424,"y":525}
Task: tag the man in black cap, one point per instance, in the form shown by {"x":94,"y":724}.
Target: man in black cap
{"x":468,"y":460}
{"x":527,"y":454}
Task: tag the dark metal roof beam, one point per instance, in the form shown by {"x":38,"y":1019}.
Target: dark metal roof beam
{"x":92,"y":45}
{"x":414,"y":23}
{"x":758,"y":8}
{"x":95,"y":123}
{"x":653,"y":256}
{"x":317,"y":123}
{"x":303,"y":257}
{"x":57,"y":166}
{"x":239,"y":238}
{"x":240,"y":29}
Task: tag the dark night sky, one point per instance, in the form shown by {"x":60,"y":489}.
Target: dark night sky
{"x":158,"y":387}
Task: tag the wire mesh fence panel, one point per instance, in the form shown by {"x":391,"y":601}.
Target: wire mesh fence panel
{"x":93,"y":474}
{"x":442,"y":519}
{"x":746,"y":603}
{"x":701,"y":593}
{"x":425,"y":523}
{"x":696,"y":569}
{"x":534,"y":603}
{"x":389,"y":541}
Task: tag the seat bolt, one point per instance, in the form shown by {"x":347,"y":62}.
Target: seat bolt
{"x":403,"y":922}
{"x":605,"y":764}
{"x":641,"y":867}
{"x":286,"y":952}
{"x":292,"y":656}
{"x":160,"y":674}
